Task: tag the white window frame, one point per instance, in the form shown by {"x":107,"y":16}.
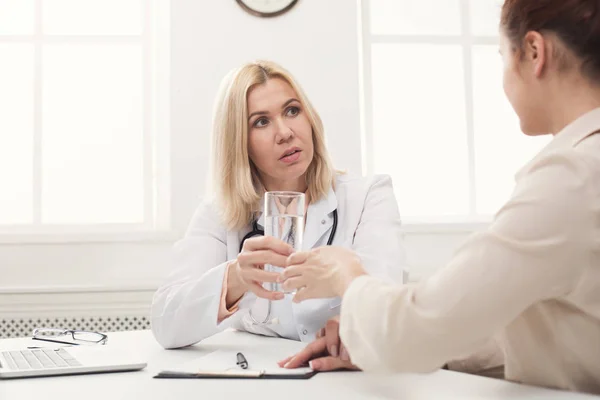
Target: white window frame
{"x":466,"y":39}
{"x":156,"y":130}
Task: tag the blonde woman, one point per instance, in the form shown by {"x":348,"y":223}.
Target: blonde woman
{"x":268,"y":137}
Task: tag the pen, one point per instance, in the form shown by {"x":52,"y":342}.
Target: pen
{"x":241,"y":361}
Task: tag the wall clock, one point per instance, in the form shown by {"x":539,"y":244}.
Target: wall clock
{"x":267,"y":8}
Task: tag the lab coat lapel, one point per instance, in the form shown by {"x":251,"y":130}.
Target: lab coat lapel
{"x":319,"y":220}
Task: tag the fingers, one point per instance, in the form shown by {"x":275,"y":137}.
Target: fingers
{"x":344,"y":355}
{"x":263,"y":293}
{"x":261,"y":257}
{"x":291,"y":272}
{"x":321,"y":333}
{"x":268,"y":243}
{"x":301,"y":294}
{"x":258,"y":275}
{"x":298,"y":258}
{"x":330,"y":364}
{"x":284,"y":361}
{"x":313,"y":350}
{"x":294,"y":283}
{"x":332,"y":337}
{"x":306,"y":293}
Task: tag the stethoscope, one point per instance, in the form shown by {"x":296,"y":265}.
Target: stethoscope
{"x":260,"y":232}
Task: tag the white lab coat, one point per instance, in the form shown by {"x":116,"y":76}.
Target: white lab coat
{"x":185,"y":308}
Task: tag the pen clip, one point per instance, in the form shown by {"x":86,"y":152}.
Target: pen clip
{"x":241,"y":361}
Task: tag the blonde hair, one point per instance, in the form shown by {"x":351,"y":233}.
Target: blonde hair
{"x":235,"y":180}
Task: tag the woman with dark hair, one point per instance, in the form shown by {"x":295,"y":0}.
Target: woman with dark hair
{"x":532,"y":280}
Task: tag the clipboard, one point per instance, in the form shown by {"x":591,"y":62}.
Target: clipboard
{"x":261,"y":374}
{"x":222,"y":365}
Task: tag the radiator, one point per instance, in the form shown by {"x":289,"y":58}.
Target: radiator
{"x":23,"y":327}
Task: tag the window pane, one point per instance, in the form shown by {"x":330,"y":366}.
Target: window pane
{"x":485,"y":17}
{"x":410,"y":17}
{"x":92,"y":134}
{"x":92,"y":17}
{"x":17,"y":17}
{"x":500,"y":147}
{"x":16,"y":133}
{"x":419,"y":127}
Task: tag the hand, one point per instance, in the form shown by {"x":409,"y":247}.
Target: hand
{"x":247,"y":272}
{"x":322,"y":272}
{"x":327,"y":353}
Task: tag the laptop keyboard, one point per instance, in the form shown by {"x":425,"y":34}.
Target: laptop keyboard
{"x":39,"y":359}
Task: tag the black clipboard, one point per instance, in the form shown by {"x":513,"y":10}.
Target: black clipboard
{"x":236,"y":374}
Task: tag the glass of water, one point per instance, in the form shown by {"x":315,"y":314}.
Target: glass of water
{"x":284,"y":219}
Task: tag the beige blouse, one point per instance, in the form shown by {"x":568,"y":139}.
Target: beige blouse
{"x":532,"y":279}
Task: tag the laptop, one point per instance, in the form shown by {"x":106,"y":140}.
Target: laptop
{"x":29,"y":363}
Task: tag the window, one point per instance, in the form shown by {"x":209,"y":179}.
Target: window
{"x":82,"y":118}
{"x":436,"y":117}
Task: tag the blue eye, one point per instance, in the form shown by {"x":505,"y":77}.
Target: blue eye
{"x":292,"y":111}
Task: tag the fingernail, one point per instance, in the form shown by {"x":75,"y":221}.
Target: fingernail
{"x":345,"y":356}
{"x":279,"y":296}
{"x":314,"y":364}
{"x":334,"y":350}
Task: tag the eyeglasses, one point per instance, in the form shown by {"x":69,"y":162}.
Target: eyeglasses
{"x":63,"y":335}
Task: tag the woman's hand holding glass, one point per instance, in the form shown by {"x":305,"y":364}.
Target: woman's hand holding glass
{"x":326,"y":353}
{"x":247,"y":272}
{"x":321,"y":273}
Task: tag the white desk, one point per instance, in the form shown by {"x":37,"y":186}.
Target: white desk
{"x":337,"y":385}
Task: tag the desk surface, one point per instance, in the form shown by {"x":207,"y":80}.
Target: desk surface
{"x":337,"y":385}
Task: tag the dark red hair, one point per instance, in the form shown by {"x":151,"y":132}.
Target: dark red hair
{"x":575,"y":22}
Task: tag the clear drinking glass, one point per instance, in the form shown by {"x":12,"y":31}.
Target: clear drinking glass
{"x":284,"y":219}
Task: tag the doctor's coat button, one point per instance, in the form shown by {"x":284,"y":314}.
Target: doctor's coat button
{"x":323,"y":222}
{"x":305,"y":332}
